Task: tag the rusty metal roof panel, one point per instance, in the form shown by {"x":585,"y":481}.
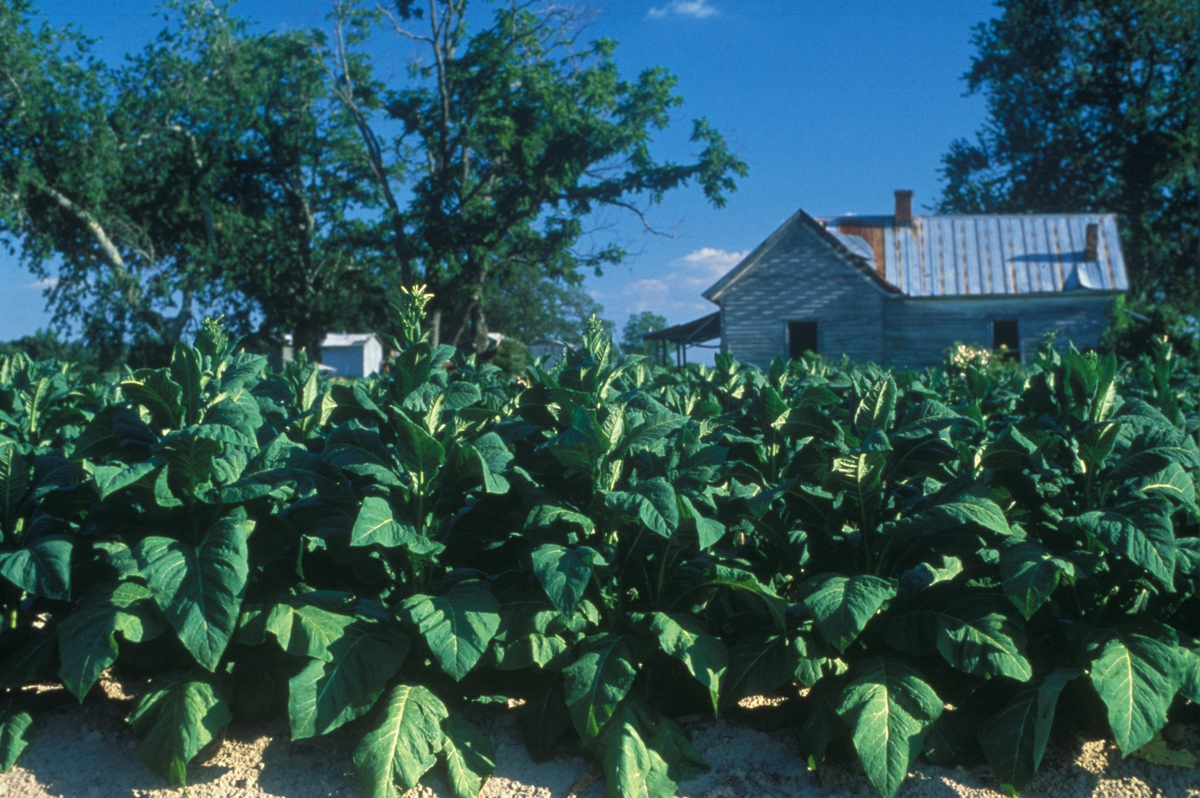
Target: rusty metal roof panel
{"x":982,"y":255}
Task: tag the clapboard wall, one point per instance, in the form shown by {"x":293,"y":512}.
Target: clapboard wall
{"x":802,"y":279}
{"x":918,"y":331}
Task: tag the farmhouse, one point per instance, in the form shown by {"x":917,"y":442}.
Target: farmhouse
{"x":901,"y":289}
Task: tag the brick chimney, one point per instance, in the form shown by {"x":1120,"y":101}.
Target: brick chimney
{"x":903,"y":207}
{"x":1091,"y":242}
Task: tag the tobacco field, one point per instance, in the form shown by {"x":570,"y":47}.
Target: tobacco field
{"x":954,"y":564}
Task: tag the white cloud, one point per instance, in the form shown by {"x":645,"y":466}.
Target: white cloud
{"x":684,"y":8}
{"x":49,"y":282}
{"x":674,"y":293}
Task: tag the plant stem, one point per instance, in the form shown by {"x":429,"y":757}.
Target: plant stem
{"x":668,"y":554}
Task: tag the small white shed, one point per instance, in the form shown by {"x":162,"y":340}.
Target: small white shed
{"x":352,"y":354}
{"x":551,"y":351}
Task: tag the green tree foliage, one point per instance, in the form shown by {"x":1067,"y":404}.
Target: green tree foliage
{"x":208,"y":172}
{"x":294,"y":251}
{"x":519,"y":136}
{"x":638,"y":325}
{"x":46,"y":345}
{"x":259,"y":175}
{"x":1091,"y":107}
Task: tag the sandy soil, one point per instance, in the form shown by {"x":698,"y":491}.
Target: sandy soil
{"x":87,"y":751}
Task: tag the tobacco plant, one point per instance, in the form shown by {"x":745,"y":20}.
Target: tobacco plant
{"x":931,"y":563}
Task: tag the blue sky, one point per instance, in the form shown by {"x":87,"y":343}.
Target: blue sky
{"x":832,"y":105}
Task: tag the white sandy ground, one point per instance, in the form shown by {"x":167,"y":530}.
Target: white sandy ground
{"x":87,"y":751}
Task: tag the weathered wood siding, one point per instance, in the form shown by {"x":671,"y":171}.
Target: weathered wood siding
{"x":802,"y":279}
{"x":918,"y":331}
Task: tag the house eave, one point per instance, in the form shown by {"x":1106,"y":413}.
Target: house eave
{"x":860,"y":264}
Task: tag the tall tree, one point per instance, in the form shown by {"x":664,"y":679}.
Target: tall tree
{"x":71,"y":192}
{"x":520,"y":136}
{"x":1091,"y":107}
{"x":213,"y":172}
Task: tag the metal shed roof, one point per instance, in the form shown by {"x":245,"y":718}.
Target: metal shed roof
{"x":697,"y":331}
{"x":994,"y":255}
{"x":333,"y":340}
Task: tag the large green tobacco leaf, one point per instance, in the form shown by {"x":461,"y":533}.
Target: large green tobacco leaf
{"x":889,"y":707}
{"x":154,"y":390}
{"x":598,"y":680}
{"x":564,"y":573}
{"x":394,"y":756}
{"x":652,"y":501}
{"x":420,"y":453}
{"x":355,"y":447}
{"x":1154,"y":450}
{"x":860,"y":478}
{"x":646,"y":755}
{"x":926,"y":418}
{"x":200,"y":588}
{"x":686,"y":638}
{"x":328,"y":693}
{"x":457,"y":624}
{"x":648,"y":428}
{"x":1096,"y":443}
{"x":545,"y":515}
{"x":1014,"y":739}
{"x":1136,"y":677}
{"x":1010,"y":452}
{"x":14,"y":482}
{"x":843,"y":605}
{"x":1175,"y":483}
{"x":302,"y":631}
{"x":42,"y":568}
{"x":581,"y":446}
{"x":110,"y":479}
{"x":969,"y":629}
{"x":705,"y":576}
{"x":545,"y":651}
{"x":483,"y":462}
{"x":377,"y":524}
{"x":758,"y":663}
{"x":1139,"y":531}
{"x":88,"y":636}
{"x":14,"y":737}
{"x":188,"y":372}
{"x":877,"y":408}
{"x":969,"y":511}
{"x":708,"y":531}
{"x":1030,"y":575}
{"x":177,"y":716}
{"x":191,"y":461}
{"x":470,"y":759}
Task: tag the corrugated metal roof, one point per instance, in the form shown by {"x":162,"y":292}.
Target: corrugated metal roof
{"x":856,"y":244}
{"x":982,"y":255}
{"x":346,"y":339}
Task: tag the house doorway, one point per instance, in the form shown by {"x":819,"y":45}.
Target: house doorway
{"x":802,"y":337}
{"x":1006,"y":338}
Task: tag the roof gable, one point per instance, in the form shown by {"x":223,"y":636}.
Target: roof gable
{"x":851,"y":254}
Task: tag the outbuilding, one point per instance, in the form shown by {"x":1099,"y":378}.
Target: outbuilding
{"x":342,"y":354}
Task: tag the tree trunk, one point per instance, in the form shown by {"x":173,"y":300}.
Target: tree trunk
{"x":480,"y":341}
{"x":308,"y":338}
{"x":463,"y":322}
{"x":435,"y":327}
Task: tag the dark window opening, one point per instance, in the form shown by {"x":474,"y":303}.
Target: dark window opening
{"x":1007,"y":337}
{"x":802,"y":337}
